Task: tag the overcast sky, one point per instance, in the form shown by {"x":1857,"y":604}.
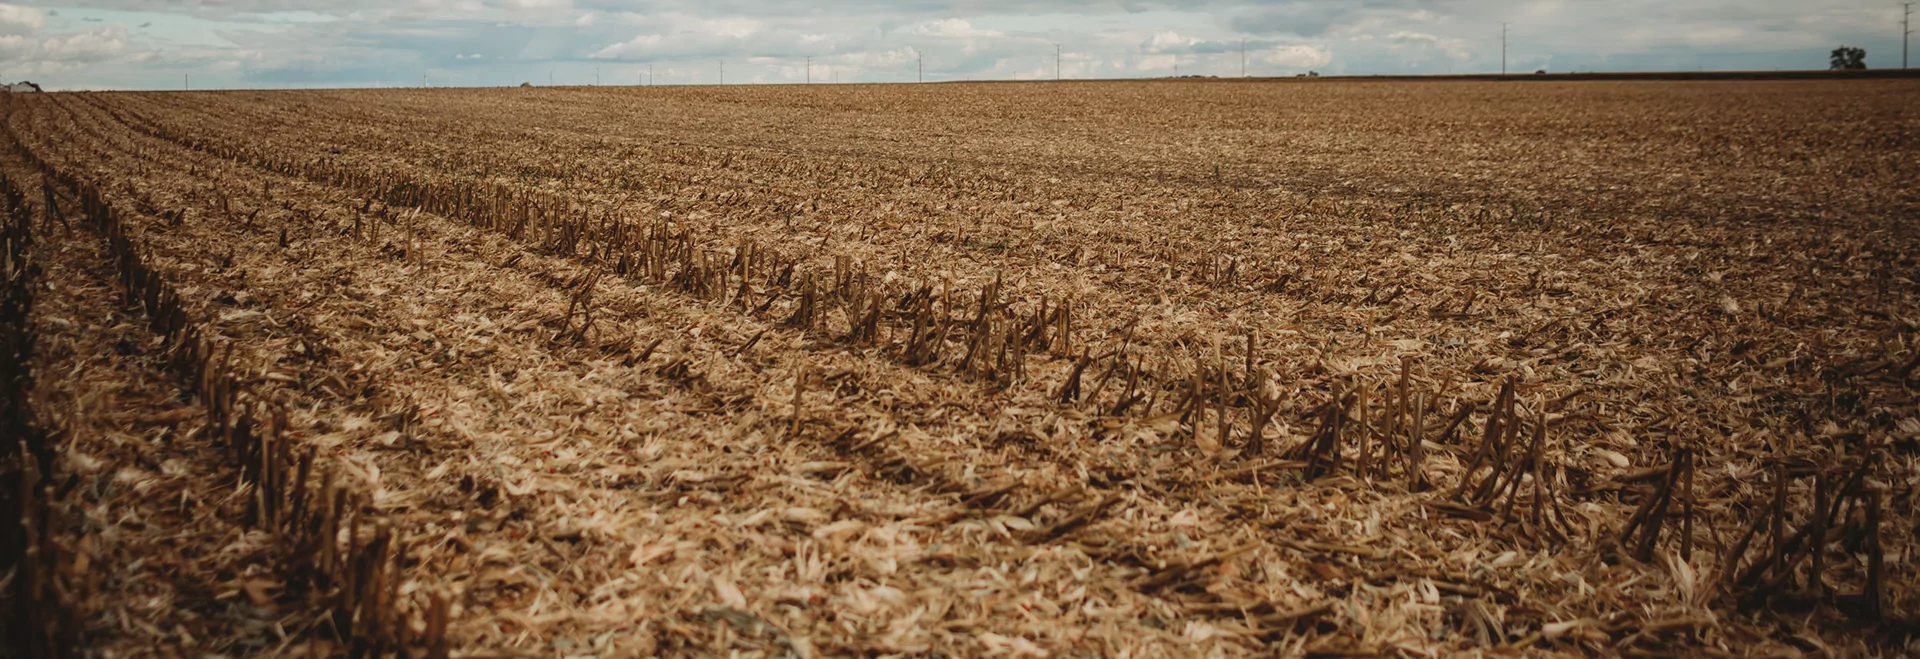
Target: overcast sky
{"x":154,"y":44}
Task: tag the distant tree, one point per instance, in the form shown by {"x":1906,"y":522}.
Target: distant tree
{"x":1849,"y":59}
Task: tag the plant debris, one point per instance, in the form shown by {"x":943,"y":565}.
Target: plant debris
{"x":1172,"y":369}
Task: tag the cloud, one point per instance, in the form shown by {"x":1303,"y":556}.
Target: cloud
{"x":1417,"y":46}
{"x":94,"y":45}
{"x":1294,"y":57}
{"x":953,"y":28}
{"x":960,"y":32}
{"x":1157,"y":63}
{"x":15,"y":19}
{"x":1168,"y":41}
{"x":681,"y":36}
{"x":366,"y":42}
{"x":1313,"y":19}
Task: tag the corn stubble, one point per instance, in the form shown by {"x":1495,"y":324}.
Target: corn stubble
{"x":1165,"y":371}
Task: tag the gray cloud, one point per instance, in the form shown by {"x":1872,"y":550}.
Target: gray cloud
{"x":1312,"y":19}
{"x":358,"y":42}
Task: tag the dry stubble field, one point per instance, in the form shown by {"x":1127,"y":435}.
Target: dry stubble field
{"x":1127,"y":369}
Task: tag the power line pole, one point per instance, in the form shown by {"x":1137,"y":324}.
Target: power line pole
{"x":723,"y":71}
{"x":1243,"y":58}
{"x":1906,"y":30}
{"x":809,"y":70}
{"x":920,"y":64}
{"x":1056,"y":62}
{"x":187,"y":79}
{"x":649,"y":75}
{"x":1503,"y":49}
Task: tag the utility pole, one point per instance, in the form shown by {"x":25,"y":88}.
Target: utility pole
{"x":1503,"y":48}
{"x":1056,"y":62}
{"x":649,"y":75}
{"x":1243,"y":57}
{"x":1906,"y":30}
{"x":920,"y":65}
{"x":809,"y":70}
{"x":187,"y":79}
{"x":723,"y":71}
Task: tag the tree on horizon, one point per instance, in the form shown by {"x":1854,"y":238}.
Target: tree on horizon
{"x":1849,"y":59}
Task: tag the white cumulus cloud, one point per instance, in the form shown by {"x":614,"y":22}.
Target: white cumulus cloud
{"x":16,"y":19}
{"x":1295,"y":57}
{"x":90,"y":46}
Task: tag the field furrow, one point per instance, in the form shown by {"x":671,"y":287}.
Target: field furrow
{"x":401,"y":390}
{"x":1142,"y":369}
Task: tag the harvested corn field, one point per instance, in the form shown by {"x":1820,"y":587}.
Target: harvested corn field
{"x":1122,"y":368}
